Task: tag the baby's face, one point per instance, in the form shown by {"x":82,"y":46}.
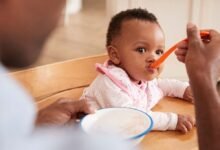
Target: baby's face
{"x":139,"y":44}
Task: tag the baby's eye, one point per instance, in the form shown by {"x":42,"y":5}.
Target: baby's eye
{"x":159,"y":52}
{"x":141,"y":50}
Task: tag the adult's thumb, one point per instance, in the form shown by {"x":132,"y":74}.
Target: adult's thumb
{"x":193,"y":35}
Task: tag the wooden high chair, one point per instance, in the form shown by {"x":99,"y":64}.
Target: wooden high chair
{"x":50,"y":82}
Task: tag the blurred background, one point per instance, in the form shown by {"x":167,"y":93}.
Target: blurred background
{"x":82,"y":28}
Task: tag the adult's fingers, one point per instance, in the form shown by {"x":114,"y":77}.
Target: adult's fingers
{"x":181,"y":52}
{"x":71,"y":105}
{"x":91,"y":106}
{"x":214,"y":35}
{"x":182,"y":45}
{"x":84,"y":106}
{"x":181,"y":58}
{"x":74,"y":106}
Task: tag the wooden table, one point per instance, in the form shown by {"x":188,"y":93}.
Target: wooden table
{"x":171,"y":140}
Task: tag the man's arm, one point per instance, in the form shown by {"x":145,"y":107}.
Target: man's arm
{"x":202,"y":59}
{"x":207,"y":105}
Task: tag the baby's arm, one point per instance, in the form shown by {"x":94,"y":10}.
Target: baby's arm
{"x":164,"y":120}
{"x":170,"y":121}
{"x":175,"y":88}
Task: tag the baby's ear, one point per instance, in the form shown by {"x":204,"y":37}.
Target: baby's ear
{"x":113,"y":54}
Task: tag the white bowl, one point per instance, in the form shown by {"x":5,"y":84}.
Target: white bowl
{"x":128,"y":123}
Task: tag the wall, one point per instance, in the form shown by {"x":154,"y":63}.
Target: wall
{"x":173,"y":16}
{"x":72,"y":7}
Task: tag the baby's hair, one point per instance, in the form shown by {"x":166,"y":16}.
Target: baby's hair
{"x":116,"y":21}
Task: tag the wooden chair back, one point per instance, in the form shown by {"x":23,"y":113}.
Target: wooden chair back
{"x":63,"y":79}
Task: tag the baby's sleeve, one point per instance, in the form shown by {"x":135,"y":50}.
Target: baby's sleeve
{"x":172,"y":87}
{"x":164,"y":120}
{"x":107,"y":94}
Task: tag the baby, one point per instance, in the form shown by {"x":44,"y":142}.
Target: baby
{"x":134,"y":41}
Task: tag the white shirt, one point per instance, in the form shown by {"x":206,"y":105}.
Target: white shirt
{"x":17,"y":110}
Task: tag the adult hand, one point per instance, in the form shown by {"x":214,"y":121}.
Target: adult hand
{"x":204,"y":57}
{"x":64,"y":111}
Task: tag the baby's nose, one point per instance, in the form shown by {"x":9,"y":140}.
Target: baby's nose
{"x":151,"y":59}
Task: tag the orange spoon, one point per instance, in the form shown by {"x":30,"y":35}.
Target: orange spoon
{"x":203,"y":34}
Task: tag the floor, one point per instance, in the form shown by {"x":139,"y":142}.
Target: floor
{"x":84,"y":35}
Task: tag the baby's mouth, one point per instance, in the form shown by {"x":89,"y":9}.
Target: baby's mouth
{"x":151,"y":70}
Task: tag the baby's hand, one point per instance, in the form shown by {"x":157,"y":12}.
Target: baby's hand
{"x":188,"y":95}
{"x":185,"y":123}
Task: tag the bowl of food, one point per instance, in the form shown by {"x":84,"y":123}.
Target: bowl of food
{"x":127,"y":123}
